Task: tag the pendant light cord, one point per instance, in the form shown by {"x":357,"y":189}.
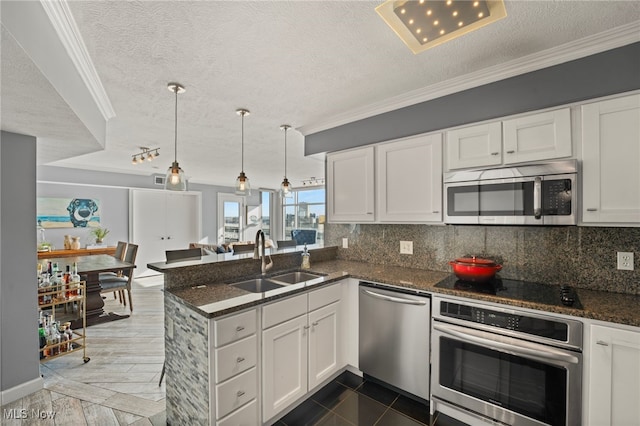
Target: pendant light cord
{"x":176,"y":126}
{"x":242,"y":145}
{"x":285,"y":151}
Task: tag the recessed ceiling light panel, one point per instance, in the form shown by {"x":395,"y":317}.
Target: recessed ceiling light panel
{"x":423,"y":24}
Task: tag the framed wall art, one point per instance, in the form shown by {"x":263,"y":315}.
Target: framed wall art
{"x":68,"y":212}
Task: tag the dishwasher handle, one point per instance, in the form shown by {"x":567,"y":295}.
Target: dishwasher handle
{"x":394,"y":299}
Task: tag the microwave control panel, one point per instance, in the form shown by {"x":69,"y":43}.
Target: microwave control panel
{"x":556,"y":197}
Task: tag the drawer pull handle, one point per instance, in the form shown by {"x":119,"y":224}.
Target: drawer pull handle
{"x":239,"y":359}
{"x":495,"y":153}
{"x":315,"y":323}
{"x":239,"y":328}
{"x":306,"y":327}
{"x":510,"y":152}
{"x":240,"y":393}
{"x":592,"y":209}
{"x":602,"y":343}
{"x":436,"y":211}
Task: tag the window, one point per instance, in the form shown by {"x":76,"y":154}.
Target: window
{"x":305,"y":210}
{"x":265,"y":200}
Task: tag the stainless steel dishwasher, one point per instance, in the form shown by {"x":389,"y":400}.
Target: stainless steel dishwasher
{"x":394,"y":338}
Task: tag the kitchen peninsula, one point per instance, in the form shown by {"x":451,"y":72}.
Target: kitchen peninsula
{"x":208,"y":321}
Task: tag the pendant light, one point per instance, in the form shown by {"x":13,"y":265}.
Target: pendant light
{"x":175,"y":180}
{"x":285,"y":187}
{"x":242,"y":183}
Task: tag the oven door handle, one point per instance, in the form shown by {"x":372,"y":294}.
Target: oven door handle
{"x":514,"y":347}
{"x":395,"y":299}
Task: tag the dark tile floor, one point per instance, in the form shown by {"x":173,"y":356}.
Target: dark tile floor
{"x":350,"y":400}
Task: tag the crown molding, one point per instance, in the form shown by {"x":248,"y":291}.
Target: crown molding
{"x":597,"y":43}
{"x":65,"y":26}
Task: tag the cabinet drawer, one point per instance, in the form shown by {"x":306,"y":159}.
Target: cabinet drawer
{"x":236,"y":392}
{"x":235,"y":327}
{"x":236,"y":358}
{"x":284,"y":310}
{"x":324,"y":296}
{"x":245,"y":416}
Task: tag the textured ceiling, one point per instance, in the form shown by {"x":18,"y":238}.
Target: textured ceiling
{"x":300,"y":63}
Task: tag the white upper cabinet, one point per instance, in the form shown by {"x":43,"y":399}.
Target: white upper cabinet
{"x":611,"y":161}
{"x":474,"y":146}
{"x":409,"y":180}
{"x":350,"y":186}
{"x":536,"y":137}
{"x":541,"y":136}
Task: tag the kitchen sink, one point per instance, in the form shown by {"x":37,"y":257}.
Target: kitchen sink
{"x":295,"y":277}
{"x":257,"y":285}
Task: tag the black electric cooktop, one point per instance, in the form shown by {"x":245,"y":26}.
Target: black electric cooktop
{"x":518,"y":290}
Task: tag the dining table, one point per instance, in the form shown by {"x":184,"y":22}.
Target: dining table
{"x":89,"y":269}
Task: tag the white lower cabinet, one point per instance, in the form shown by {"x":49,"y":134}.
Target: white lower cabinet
{"x":233,"y":369}
{"x":284,"y":365}
{"x":301,"y":352}
{"x":324,"y":351}
{"x":236,"y":392}
{"x":245,"y":416}
{"x":614,"y":377}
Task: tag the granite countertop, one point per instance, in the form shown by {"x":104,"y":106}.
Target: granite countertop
{"x":217,"y":299}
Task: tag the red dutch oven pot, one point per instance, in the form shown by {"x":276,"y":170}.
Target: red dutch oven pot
{"x":474,"y":268}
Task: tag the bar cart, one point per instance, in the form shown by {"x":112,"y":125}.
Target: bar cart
{"x":60,"y":305}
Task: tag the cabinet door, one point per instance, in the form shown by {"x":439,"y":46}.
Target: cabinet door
{"x":474,"y":146}
{"x":610,"y":158}
{"x":409,"y":180}
{"x":614,"y":374}
{"x":324,"y":343}
{"x":350,"y":186}
{"x":536,"y":137}
{"x":284,"y":365}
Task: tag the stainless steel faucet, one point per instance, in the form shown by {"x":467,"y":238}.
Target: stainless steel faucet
{"x":257,"y":254}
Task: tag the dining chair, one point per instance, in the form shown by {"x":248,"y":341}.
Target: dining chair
{"x":304,"y":236}
{"x":243,"y":248}
{"x":286,"y":243}
{"x":121,"y":248}
{"x":119,"y":284}
{"x":184,"y":254}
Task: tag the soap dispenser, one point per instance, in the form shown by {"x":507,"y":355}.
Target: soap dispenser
{"x":305,"y":259}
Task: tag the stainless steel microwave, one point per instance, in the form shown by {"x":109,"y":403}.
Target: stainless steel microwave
{"x":534,"y":194}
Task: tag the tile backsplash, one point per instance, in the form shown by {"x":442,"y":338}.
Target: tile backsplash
{"x":580,"y":256}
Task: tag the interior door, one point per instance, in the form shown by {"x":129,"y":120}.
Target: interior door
{"x":230,"y":218}
{"x":148,"y":224}
{"x":182,"y":220}
{"x":162,"y":220}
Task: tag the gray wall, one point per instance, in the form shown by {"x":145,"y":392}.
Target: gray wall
{"x":18,"y":281}
{"x":610,"y":72}
{"x":112,"y":189}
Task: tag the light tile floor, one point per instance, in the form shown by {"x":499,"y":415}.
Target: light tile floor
{"x":119,"y":385}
